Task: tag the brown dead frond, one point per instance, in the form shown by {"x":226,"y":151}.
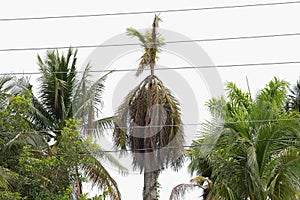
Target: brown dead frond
{"x":149,"y":122}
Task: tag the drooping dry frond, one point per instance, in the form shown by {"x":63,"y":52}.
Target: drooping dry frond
{"x":180,"y":190}
{"x":199,"y":182}
{"x":149,"y":123}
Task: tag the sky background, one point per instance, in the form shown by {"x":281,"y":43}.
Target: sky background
{"x":221,"y":23}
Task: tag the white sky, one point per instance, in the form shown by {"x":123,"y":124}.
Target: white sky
{"x":194,"y":25}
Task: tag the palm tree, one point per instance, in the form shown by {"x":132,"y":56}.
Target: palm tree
{"x":250,"y":150}
{"x":149,"y":119}
{"x":59,"y":93}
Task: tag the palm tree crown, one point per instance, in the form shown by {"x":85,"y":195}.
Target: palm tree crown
{"x":60,"y":92}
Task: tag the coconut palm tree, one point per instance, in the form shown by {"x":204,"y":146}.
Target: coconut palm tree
{"x":251,"y":148}
{"x":148,"y":122}
{"x":63,"y":96}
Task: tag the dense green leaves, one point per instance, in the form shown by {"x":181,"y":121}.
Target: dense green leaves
{"x":36,"y":169}
{"x":253,"y":146}
{"x":44,"y":174}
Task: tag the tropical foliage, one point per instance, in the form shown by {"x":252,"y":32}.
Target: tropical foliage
{"x":64,"y":96}
{"x":48,"y":180}
{"x":250,"y":149}
{"x":39,"y":123}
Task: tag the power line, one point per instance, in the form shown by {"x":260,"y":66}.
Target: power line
{"x":149,"y":12}
{"x":167,"y":68}
{"x":147,"y":150}
{"x":138,"y":44}
{"x":165,"y":125}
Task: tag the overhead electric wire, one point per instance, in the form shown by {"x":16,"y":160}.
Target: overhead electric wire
{"x":149,"y":12}
{"x":280,"y":139}
{"x":165,"y":125}
{"x":138,"y":44}
{"x":164,"y":148}
{"x":165,"y":68}
{"x":168,"y":42}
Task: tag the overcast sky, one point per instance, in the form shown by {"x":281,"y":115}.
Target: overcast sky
{"x":197,"y":87}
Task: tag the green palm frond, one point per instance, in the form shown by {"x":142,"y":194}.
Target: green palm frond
{"x":39,"y":116}
{"x":217,"y":107}
{"x":151,"y":41}
{"x":135,"y":33}
{"x":100,"y":177}
{"x":275,"y":93}
{"x":87,"y":102}
{"x":249,"y":154}
{"x":103,"y":124}
{"x":286,"y":179}
{"x":6,"y":84}
{"x":57,"y":84}
{"x":7,"y":178}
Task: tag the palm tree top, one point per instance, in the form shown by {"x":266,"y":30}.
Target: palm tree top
{"x":151,"y":41}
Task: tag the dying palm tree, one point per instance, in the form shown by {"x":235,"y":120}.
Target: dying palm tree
{"x":62,"y":96}
{"x":148,"y":122}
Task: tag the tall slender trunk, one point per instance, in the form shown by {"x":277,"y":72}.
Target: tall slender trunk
{"x":252,"y":197}
{"x":152,"y":69}
{"x":78,"y":184}
{"x":151,"y":185}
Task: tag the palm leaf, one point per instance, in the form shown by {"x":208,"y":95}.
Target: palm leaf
{"x":101,"y":178}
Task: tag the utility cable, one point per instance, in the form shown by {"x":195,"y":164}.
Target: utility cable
{"x":164,"y":68}
{"x":150,"y":12}
{"x":138,"y":44}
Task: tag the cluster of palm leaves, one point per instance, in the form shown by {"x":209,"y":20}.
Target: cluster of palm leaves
{"x":60,"y":92}
{"x":250,"y":149}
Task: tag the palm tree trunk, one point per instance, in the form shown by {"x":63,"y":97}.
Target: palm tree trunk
{"x":252,"y":197}
{"x":150,"y":185}
{"x":152,"y":69}
{"x":78,"y":184}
